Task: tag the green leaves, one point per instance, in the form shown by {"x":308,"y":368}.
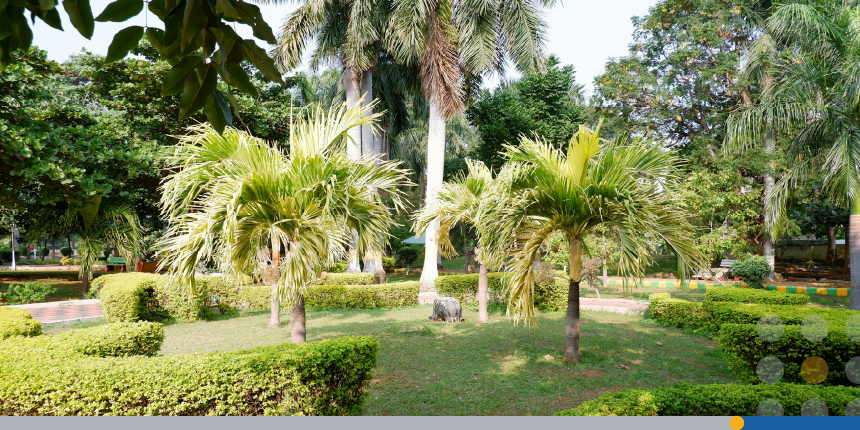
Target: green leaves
{"x":197,"y":89}
{"x":81,"y":15}
{"x":120,"y":10}
{"x":124,"y":41}
{"x":175,"y":79}
{"x":237,"y":77}
{"x":261,"y":60}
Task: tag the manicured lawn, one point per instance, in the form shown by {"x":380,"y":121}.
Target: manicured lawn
{"x":429,"y":368}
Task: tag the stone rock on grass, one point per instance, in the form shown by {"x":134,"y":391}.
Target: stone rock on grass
{"x":447,"y":309}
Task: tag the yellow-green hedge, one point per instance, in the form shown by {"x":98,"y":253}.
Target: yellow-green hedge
{"x":713,"y":400}
{"x":18,"y":322}
{"x":346,"y":279}
{"x":396,"y":294}
{"x":61,"y":375}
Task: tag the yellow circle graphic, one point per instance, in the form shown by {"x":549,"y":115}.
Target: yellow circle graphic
{"x":814,"y":370}
{"x":737,"y":423}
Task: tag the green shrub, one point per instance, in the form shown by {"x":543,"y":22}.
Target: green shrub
{"x":66,"y":251}
{"x":406,"y":256}
{"x":346,"y":279}
{"x":6,"y":254}
{"x":676,"y":312}
{"x":28,"y":292}
{"x":317,"y":378}
{"x":551,"y":294}
{"x":388,"y":264}
{"x":122,"y":339}
{"x":69,"y":261}
{"x":391,"y":295}
{"x":129,"y":297}
{"x":753,"y":268}
{"x":465,"y":287}
{"x":44,"y":252}
{"x":720,"y":313}
{"x":743,"y":348}
{"x":713,"y":400}
{"x":338,"y":267}
{"x":18,"y":322}
{"x":254,"y":297}
{"x":747,"y":295}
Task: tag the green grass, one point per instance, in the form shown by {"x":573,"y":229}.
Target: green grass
{"x":430,"y":368}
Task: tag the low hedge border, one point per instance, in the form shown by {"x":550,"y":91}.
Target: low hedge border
{"x":18,"y":322}
{"x":721,"y":313}
{"x":345,"y":279}
{"x":549,"y":295}
{"x":676,"y":312}
{"x":745,"y":295}
{"x":38,"y":377}
{"x":743,"y":348}
{"x":395,"y":294}
{"x":714,"y":400}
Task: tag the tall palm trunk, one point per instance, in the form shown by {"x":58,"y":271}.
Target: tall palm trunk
{"x":297,"y":321}
{"x":275,"y":308}
{"x":85,"y":286}
{"x":831,"y":245}
{"x":353,"y":150}
{"x":435,"y":165}
{"x":571,"y":329}
{"x":854,"y":253}
{"x":767,"y":245}
{"x":483,"y":287}
{"x":274,"y":276}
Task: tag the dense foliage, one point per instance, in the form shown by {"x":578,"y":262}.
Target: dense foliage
{"x":18,"y":322}
{"x":752,"y":268}
{"x":719,"y":400}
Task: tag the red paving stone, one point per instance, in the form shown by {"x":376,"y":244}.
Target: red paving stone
{"x":67,"y":311}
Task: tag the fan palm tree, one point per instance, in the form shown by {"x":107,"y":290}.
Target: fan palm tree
{"x":625,"y":185}
{"x":813,"y":98}
{"x":458,"y":201}
{"x":99,"y":223}
{"x":233,"y":197}
{"x":454,"y":42}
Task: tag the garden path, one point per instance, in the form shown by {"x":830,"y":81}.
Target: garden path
{"x":65,"y":312}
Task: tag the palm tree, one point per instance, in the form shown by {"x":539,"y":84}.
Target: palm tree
{"x":460,"y":200}
{"x":99,"y":223}
{"x":813,"y":98}
{"x":453,"y":42}
{"x":233,"y":197}
{"x":625,"y":185}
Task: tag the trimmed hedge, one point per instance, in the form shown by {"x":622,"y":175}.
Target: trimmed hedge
{"x":548,"y":295}
{"x":317,"y":378}
{"x":676,"y":312}
{"x":747,"y":295}
{"x":18,"y":322}
{"x":721,"y":313}
{"x":743,"y":348}
{"x":121,"y":339}
{"x":713,"y":400}
{"x":346,"y":279}
{"x":391,"y":295}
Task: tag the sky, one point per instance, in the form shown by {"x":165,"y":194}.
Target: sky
{"x":584,"y":33}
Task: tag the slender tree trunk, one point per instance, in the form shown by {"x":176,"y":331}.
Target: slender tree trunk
{"x":853,"y":239}
{"x":422,"y":189}
{"x":847,"y":264}
{"x":767,"y":245}
{"x":605,"y":276}
{"x":69,"y":238}
{"x":571,"y":330}
{"x":85,"y":285}
{"x":435,"y":165}
{"x":275,"y":309}
{"x":353,"y":150}
{"x":297,"y":321}
{"x":831,"y":246}
{"x":483,"y":290}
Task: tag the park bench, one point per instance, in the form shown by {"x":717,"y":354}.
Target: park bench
{"x":115,"y":262}
{"x":725,"y":266}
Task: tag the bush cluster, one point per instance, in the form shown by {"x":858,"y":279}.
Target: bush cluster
{"x":747,"y":295}
{"x":6,"y":254}
{"x":406,"y":256}
{"x":675,"y":312}
{"x":753,"y":268}
{"x":721,"y":313}
{"x":28,"y":292}
{"x":550,"y":292}
{"x":338,"y":267}
{"x":346,"y":279}
{"x":66,"y":251}
{"x":18,"y":322}
{"x":714,"y":400}
{"x":397,"y":294}
{"x":388,"y":264}
{"x":105,"y":371}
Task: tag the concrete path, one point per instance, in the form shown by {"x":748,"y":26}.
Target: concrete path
{"x":67,"y":312}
